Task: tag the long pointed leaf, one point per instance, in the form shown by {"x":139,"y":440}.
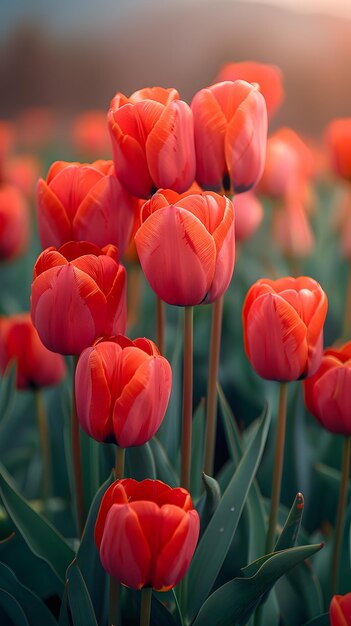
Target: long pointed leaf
{"x":218,"y":535}
{"x":41,"y":537}
{"x":78,"y":597}
{"x":234,"y":603}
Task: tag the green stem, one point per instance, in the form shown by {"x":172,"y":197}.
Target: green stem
{"x":114,"y":614}
{"x":340,"y":516}
{"x":77,"y":460}
{"x":44,"y":442}
{"x":145,"y":609}
{"x":160,"y":324}
{"x":187,"y":397}
{"x":211,"y":417}
{"x":120,"y":457}
{"x":278,"y":467}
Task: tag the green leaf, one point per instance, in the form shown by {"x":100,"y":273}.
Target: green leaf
{"x":164,"y":470}
{"x":41,"y":537}
{"x":35,"y":610}
{"x":90,"y":450}
{"x":7,"y":392}
{"x":88,"y":558}
{"x":82,"y":610}
{"x":321,"y":620}
{"x":211,"y":500}
{"x":292,"y":525}
{"x":215,"y":542}
{"x":234,"y":603}
{"x":140,"y":463}
{"x":254,"y":507}
{"x":12,"y":610}
{"x":307,"y":588}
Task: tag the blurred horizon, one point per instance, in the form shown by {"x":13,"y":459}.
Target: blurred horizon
{"x":73,"y":58}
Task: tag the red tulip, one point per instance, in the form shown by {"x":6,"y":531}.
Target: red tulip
{"x":84,"y":202}
{"x":340,"y":610}
{"x":268,"y":77}
{"x":283,"y":327}
{"x":186,"y":246}
{"x":78,"y":295}
{"x":122,"y":390}
{"x":22,"y":171}
{"x":152,"y":141}
{"x":327,"y":392}
{"x":248,"y":215}
{"x":14,"y":223}
{"x":146,"y":533}
{"x":36,"y":365}
{"x":230,"y":124}
{"x":90,"y":135}
{"x":338,"y":137}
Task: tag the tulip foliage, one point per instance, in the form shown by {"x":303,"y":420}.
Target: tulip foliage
{"x":98,"y":525}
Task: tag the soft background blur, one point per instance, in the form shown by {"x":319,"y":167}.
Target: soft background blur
{"x":74,"y":55}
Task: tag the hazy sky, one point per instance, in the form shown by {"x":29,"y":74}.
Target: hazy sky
{"x":74,"y":15}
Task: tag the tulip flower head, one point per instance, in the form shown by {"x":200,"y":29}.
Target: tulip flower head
{"x":283,"y":327}
{"x":186,"y":246}
{"x":152,"y":141}
{"x":248,"y":215}
{"x":90,"y":136}
{"x":327,"y":392}
{"x":340,"y":610}
{"x":36,"y":366}
{"x":230,"y":125}
{"x":338,"y":138}
{"x":268,"y":77}
{"x":84,"y":202}
{"x":78,"y":295}
{"x":146,"y":533}
{"x":14,"y":223}
{"x":122,"y":390}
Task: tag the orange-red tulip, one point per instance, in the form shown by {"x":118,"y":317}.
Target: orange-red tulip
{"x":84,"y":202}
{"x":152,"y":141}
{"x":14,"y":223}
{"x":36,"y":365}
{"x":122,"y":390}
{"x":78,"y":295}
{"x":327,"y":392}
{"x":268,"y":77}
{"x":248,"y":215}
{"x":22,"y":171}
{"x":340,"y":610}
{"x":230,"y":124}
{"x":283,"y":327}
{"x":90,"y":136}
{"x":291,"y":229}
{"x":338,"y":137}
{"x":186,"y":246}
{"x":146,"y":533}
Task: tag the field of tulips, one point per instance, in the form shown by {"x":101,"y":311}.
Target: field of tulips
{"x":175,"y":357}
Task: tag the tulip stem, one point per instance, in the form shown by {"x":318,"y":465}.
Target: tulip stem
{"x":114,"y":616}
{"x":77,"y":460}
{"x":340,"y":516}
{"x":120,"y":457}
{"x":134,"y":288}
{"x":44,"y":442}
{"x":187,"y":397}
{"x":278,"y":467}
{"x":145,"y":609}
{"x":211,"y":417}
{"x":160,"y":325}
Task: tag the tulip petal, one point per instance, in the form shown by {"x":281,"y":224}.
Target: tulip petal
{"x":276,"y":339}
{"x":72,"y":184}
{"x":178,"y":538}
{"x":139,"y":410}
{"x":332,"y":400}
{"x":53,"y":224}
{"x":170,"y":148}
{"x":68,"y":309}
{"x":124,"y":550}
{"x":210,"y":126}
{"x":174,"y":240}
